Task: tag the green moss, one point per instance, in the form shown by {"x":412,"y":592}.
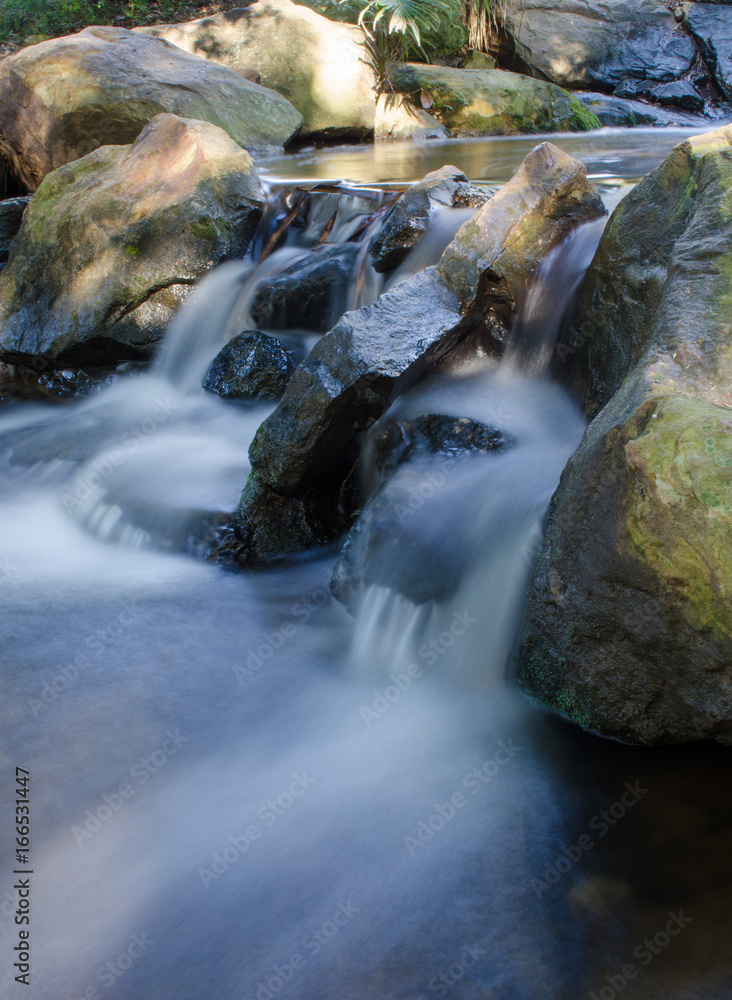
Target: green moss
{"x":584,"y":120}
{"x":132,"y":251}
{"x":204,"y":228}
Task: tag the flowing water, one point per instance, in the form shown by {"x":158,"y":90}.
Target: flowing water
{"x":239,"y":790}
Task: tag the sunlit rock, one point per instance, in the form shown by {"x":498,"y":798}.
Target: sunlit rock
{"x":318,"y":65}
{"x":396,"y":120}
{"x":629,"y":626}
{"x":491,"y":102}
{"x":580,"y":43}
{"x":111,"y":244}
{"x":304,"y":453}
{"x":66,"y":97}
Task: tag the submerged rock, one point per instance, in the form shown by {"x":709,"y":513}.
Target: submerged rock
{"x":304,"y":453}
{"x":492,"y":102}
{"x":432,"y":434}
{"x":628,"y":629}
{"x":66,"y":97}
{"x":251,"y":366}
{"x":311,"y":294}
{"x":410,"y":218}
{"x":315,"y":63}
{"x":112,"y":243}
{"x":578,"y":43}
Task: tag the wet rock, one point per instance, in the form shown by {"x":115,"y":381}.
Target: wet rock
{"x":680,"y":94}
{"x":628,"y":629}
{"x":112,"y":243}
{"x":410,"y":218}
{"x":631,"y":89}
{"x":711,"y":26}
{"x":251,"y":366}
{"x":304,"y":453}
{"x":433,"y":434}
{"x":580,"y":43}
{"x":315,"y":63}
{"x":491,"y":102}
{"x":396,"y":119}
{"x":311,"y":294}
{"x":615,"y":112}
{"x":66,"y":97}
{"x":11,"y":216}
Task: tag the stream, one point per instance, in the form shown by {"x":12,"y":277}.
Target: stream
{"x":241,"y":791}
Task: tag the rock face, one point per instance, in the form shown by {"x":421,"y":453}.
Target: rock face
{"x":305,"y":451}
{"x":628,"y":629}
{"x":311,"y":294}
{"x":711,"y":26}
{"x":251,"y":366}
{"x":63,"y":98}
{"x":316,"y":64}
{"x":491,"y":102}
{"x":680,"y":94}
{"x":112,"y":243}
{"x":408,"y":221}
{"x":581,"y":43}
{"x":397,"y":120}
{"x":11,"y":216}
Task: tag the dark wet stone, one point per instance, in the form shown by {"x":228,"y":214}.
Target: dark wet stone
{"x":680,"y":94}
{"x":711,"y":26}
{"x":434,"y":433}
{"x":251,"y":366}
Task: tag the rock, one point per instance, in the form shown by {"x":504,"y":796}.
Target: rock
{"x":478,"y":60}
{"x":11,"y":216}
{"x":396,"y":441}
{"x":494,"y":253}
{"x":711,"y":26}
{"x":304,"y":453}
{"x":68,"y":96}
{"x":311,"y":294}
{"x":628,"y":629}
{"x":387,"y":545}
{"x":491,"y":102}
{"x":576,"y":43}
{"x":680,"y":94}
{"x":112,"y":243}
{"x":397,"y":119}
{"x":250,"y":366}
{"x":316,"y":64}
{"x":614,"y":112}
{"x":631,"y":89}
{"x":410,"y":218}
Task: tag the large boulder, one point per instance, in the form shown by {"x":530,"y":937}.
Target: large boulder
{"x":305,"y":451}
{"x":65,"y":97}
{"x":111,"y":243}
{"x":318,"y":65}
{"x":711,"y":26}
{"x":399,"y":119}
{"x":491,"y":102}
{"x":581,"y":43}
{"x":628,"y":629}
{"x":410,"y":218}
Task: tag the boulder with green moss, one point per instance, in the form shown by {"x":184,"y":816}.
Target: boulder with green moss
{"x":628,"y":630}
{"x":318,"y":65}
{"x":491,"y":102}
{"x":65,"y":97}
{"x":112,"y":243}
